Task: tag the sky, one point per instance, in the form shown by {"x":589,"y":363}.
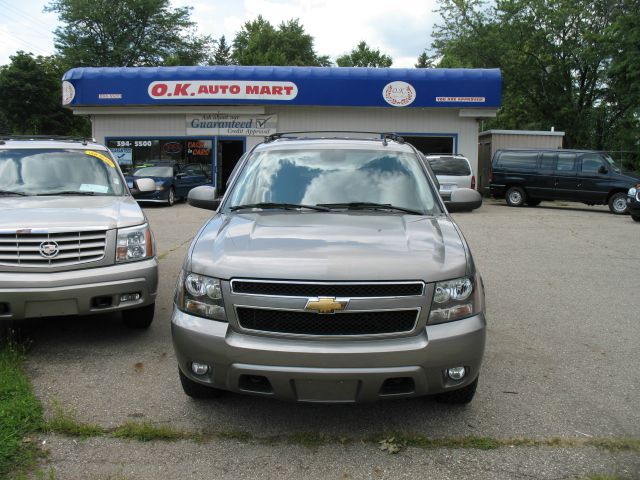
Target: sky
{"x":399,"y":28}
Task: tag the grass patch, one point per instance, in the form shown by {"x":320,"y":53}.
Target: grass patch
{"x":20,"y":412}
{"x":146,"y":432}
{"x":62,"y":423}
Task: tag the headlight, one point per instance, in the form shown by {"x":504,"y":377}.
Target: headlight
{"x":135,"y":243}
{"x":200,"y":295}
{"x":453,"y":300}
{"x":632,"y":191}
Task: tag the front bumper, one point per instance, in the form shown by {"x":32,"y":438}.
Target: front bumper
{"x":77,"y":292}
{"x":633,"y":205}
{"x":329,"y":370}
{"x":155,"y":196}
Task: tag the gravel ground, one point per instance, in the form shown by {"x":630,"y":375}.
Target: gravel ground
{"x":561,"y":360}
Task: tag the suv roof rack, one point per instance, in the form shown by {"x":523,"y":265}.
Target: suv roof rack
{"x":62,"y":138}
{"x":383,"y":136}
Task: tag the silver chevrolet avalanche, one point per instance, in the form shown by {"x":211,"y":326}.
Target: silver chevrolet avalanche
{"x":330,"y":272}
{"x":73,"y":241}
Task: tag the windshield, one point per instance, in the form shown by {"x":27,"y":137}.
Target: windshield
{"x":334,"y":176}
{"x":454,"y":166}
{"x":154,"y":172}
{"x":59,"y":171}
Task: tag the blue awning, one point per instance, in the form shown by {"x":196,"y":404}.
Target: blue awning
{"x":320,"y":86}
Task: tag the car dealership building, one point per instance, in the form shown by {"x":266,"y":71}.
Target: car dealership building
{"x":212,"y":115}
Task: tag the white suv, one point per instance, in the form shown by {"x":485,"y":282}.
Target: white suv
{"x":452,"y":172}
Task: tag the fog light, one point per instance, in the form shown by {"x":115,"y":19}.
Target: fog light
{"x":456,"y":373}
{"x":199,"y":368}
{"x":130,"y":297}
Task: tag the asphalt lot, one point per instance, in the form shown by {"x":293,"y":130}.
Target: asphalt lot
{"x":562,"y":360}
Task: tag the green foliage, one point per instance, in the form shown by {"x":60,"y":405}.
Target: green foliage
{"x":222,"y":53}
{"x":364,"y":56}
{"x":20,"y":412}
{"x":127,"y":33}
{"x":31,"y":98}
{"x":424,"y":61}
{"x":146,"y":432}
{"x":260,"y":43}
{"x":560,"y":61}
{"x":64,"y":424}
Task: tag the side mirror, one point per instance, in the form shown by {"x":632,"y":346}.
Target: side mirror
{"x":144,"y":185}
{"x":603,"y":169}
{"x":464,"y":199}
{"x":204,"y":196}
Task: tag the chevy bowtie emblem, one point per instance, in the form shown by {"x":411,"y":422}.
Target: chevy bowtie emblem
{"x":327,"y":304}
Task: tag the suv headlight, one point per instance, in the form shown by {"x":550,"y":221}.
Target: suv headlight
{"x":453,"y":300}
{"x":134,"y":243}
{"x":200,"y":295}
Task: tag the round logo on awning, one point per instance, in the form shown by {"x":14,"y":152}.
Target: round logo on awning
{"x":399,"y":94}
{"x":68,"y":93}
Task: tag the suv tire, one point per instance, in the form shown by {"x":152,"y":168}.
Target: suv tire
{"x":515,"y":197}
{"x":197,"y":390}
{"x":618,"y":203}
{"x":140,"y":317}
{"x":171,"y":197}
{"x":462,"y":396}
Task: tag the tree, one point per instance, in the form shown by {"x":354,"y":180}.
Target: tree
{"x":554,"y":58}
{"x":126,"y":33}
{"x":424,"y":61}
{"x":259,"y":43}
{"x":31,"y":98}
{"x":222,"y":53}
{"x":363,"y":56}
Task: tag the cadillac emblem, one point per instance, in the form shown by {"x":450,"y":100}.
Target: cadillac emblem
{"x":327,"y":304}
{"x":49,"y":249}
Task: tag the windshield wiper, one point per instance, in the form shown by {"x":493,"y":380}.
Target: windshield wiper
{"x":285,"y":206}
{"x":13,"y":192}
{"x":66,"y":192}
{"x":370,"y":206}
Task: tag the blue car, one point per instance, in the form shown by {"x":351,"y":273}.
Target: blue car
{"x":173,"y":181}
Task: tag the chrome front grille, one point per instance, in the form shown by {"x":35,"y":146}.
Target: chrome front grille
{"x":51,"y":249}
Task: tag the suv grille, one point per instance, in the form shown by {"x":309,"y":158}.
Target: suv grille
{"x":51,"y":249}
{"x":351,"y":290}
{"x":308,"y":323}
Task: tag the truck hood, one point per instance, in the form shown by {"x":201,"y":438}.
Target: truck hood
{"x":336,"y":246}
{"x":72,"y":212}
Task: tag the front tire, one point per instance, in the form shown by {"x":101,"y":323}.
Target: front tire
{"x":197,"y":390}
{"x":462,"y":396}
{"x":516,"y":197}
{"x":171,"y":198}
{"x":618,"y":203}
{"x":140,"y":317}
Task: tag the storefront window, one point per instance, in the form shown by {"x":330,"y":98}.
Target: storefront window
{"x":133,"y":153}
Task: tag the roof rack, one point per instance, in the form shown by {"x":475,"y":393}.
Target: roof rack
{"x":382,"y":136}
{"x":62,"y":138}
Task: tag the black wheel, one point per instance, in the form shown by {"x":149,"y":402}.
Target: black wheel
{"x":516,"y":197}
{"x":171,"y":198}
{"x":618,"y":203}
{"x":636,"y":217}
{"x":461,"y":396}
{"x":533,"y":202}
{"x":197,"y":390}
{"x":140,"y":317}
